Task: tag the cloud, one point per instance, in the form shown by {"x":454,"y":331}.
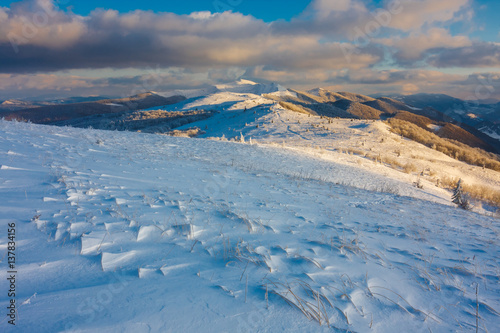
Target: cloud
{"x":416,"y":45}
{"x":107,"y":38}
{"x":36,"y":36}
{"x":395,"y":76}
{"x":39,"y":23}
{"x":113,"y":84}
{"x":472,"y":86}
{"x":332,"y":42}
{"x":43,"y":82}
{"x":417,"y":13}
{"x":326,"y":7}
{"x":332,"y":18}
{"x":479,"y":54}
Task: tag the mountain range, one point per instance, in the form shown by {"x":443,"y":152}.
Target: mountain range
{"x":474,"y":124}
{"x":296,"y":211}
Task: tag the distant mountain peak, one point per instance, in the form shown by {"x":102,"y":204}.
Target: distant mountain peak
{"x":315,"y":91}
{"x":243,"y":86}
{"x":13,"y":101}
{"x":245,"y":81}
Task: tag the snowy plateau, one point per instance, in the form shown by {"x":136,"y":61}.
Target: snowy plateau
{"x":280,"y":230}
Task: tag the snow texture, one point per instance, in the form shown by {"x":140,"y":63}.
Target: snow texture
{"x":135,"y":232}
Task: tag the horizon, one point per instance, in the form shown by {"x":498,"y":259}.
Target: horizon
{"x":61,"y":49}
{"x":48,"y":98}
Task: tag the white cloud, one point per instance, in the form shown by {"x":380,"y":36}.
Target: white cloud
{"x":39,"y":23}
{"x":413,"y":47}
{"x":478,"y":54}
{"x":325,"y":7}
{"x":416,"y":13}
{"x":309,"y":49}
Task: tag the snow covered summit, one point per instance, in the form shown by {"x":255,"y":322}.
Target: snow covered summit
{"x":241,"y":86}
{"x":250,"y":87}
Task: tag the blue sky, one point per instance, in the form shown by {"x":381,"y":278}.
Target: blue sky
{"x":263,"y":9}
{"x":64,"y":47}
{"x":486,"y":11}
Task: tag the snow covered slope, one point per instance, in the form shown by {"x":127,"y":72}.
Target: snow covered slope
{"x":131,"y":232}
{"x":368,"y":144}
{"x":240,"y":86}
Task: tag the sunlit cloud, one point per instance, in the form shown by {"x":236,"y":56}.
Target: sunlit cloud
{"x":330,"y":43}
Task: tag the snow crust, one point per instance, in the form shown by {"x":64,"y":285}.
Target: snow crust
{"x":135,"y":232}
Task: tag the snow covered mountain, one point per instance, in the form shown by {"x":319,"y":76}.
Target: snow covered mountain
{"x":240,"y":86}
{"x":122,"y":231}
{"x":477,"y":114}
{"x":277,"y":217}
{"x":55,"y":114}
{"x":12,"y":105}
{"x":284,"y":220}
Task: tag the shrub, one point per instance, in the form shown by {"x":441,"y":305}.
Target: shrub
{"x":478,"y":192}
{"x":452,"y":148}
{"x":297,"y":108}
{"x":458,"y":197}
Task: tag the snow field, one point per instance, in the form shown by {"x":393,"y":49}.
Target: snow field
{"x":134,"y":232}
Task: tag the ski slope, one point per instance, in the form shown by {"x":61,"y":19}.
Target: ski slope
{"x":132,"y":232}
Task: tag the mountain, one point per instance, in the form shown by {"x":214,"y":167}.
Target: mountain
{"x":240,"y":86}
{"x":77,"y":99}
{"x":452,"y":107}
{"x":387,"y":105}
{"x":329,"y":96}
{"x":17,"y":105}
{"x":305,"y":224}
{"x":151,"y":112}
{"x":250,"y":87}
{"x":147,"y":121}
{"x":480,"y":120}
{"x":288,"y":212}
{"x":483,"y":101}
{"x":440,"y":102}
{"x":489,"y":128}
{"x":64,"y":112}
{"x":357,"y":110}
{"x":13,"y":105}
{"x":355,"y":97}
{"x":349,"y":105}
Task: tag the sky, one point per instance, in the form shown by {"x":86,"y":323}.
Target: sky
{"x":61,"y":48}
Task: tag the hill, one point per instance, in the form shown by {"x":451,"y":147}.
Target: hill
{"x":348,"y":105}
{"x":14,"y":105}
{"x":243,"y":108}
{"x":357,"y":110}
{"x":387,"y":105}
{"x":57,"y":113}
{"x":118,"y":229}
{"x":475,"y":114}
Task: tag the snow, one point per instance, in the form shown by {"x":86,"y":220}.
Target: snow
{"x":283,"y":93}
{"x":247,"y":86}
{"x":412,"y":107}
{"x":434,"y":127}
{"x":315,"y":92}
{"x":241,"y":86}
{"x":490,"y":132}
{"x":189,"y":93}
{"x":267,"y":122}
{"x":153,"y":233}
